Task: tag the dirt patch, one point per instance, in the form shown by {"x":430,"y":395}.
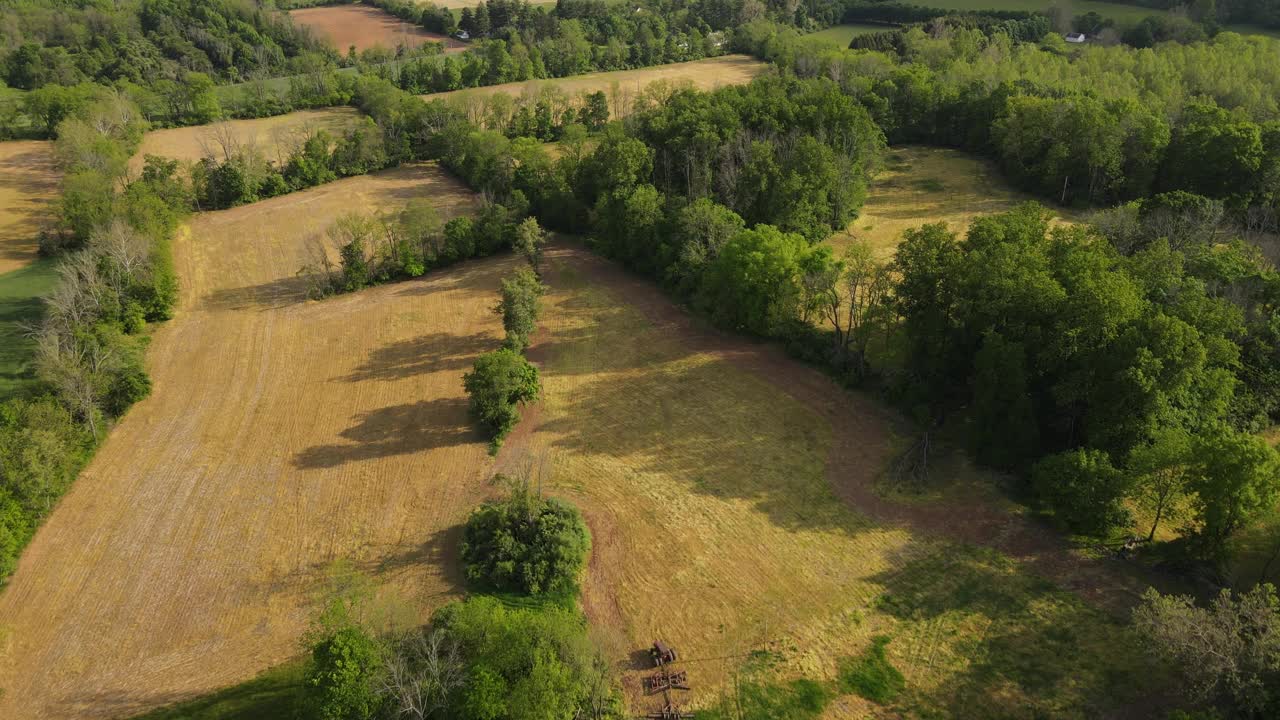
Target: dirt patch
{"x":367,"y":27}
{"x":281,"y":435}
{"x":623,"y":87}
{"x":275,"y":138}
{"x":28,"y":187}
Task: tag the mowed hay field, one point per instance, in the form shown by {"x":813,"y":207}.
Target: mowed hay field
{"x":280,"y":435}
{"x":367,"y":27}
{"x":919,"y":185}
{"x":733,"y":504}
{"x":28,"y":186}
{"x":275,"y":137}
{"x":624,"y":86}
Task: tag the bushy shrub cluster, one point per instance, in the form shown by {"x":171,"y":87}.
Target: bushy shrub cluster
{"x":525,"y":544}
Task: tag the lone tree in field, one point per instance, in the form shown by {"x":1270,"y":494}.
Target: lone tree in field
{"x":520,"y":307}
{"x":525,"y":544}
{"x":528,"y":241}
{"x":497,"y":383}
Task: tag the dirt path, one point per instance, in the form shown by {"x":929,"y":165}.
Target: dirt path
{"x":861,"y":449}
{"x":281,"y":435}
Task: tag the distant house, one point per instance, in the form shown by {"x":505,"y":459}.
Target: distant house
{"x":1076,"y":37}
{"x":463,"y":35}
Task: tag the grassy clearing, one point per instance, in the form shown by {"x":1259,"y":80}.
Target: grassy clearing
{"x":919,"y":185}
{"x":20,"y":293}
{"x":842,"y":35}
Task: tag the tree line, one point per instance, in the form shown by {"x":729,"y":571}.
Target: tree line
{"x":114,"y":277}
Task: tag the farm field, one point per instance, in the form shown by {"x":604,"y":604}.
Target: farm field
{"x":703,"y":74}
{"x":919,"y":185}
{"x":28,"y":184}
{"x":367,"y":27}
{"x":733,"y":505}
{"x":842,"y":35}
{"x":276,"y":137}
{"x":279,"y":436}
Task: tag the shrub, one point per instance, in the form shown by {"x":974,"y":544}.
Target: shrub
{"x":520,"y":307}
{"x":497,"y":383}
{"x":525,"y":544}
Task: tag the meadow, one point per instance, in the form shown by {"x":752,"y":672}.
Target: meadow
{"x":919,"y":184}
{"x":842,"y":35}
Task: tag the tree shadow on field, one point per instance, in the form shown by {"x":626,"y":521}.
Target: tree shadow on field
{"x":428,"y":353}
{"x":1027,"y":648}
{"x":266,"y":296}
{"x":396,"y":430}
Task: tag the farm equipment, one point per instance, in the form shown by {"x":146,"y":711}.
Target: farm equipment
{"x":662,"y":681}
{"x":662,"y":653}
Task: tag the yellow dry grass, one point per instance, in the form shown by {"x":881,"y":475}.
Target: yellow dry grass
{"x":623,"y":87}
{"x":919,"y":185}
{"x":28,"y":186}
{"x":729,"y":494}
{"x":281,"y":435}
{"x":276,"y":138}
{"x":366,"y":27}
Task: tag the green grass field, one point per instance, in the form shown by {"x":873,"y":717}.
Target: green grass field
{"x":20,"y":293}
{"x":842,"y":35}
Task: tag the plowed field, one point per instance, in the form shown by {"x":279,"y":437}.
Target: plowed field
{"x":366,"y":27}
{"x":280,"y":435}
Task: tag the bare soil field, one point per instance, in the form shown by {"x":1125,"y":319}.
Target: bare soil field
{"x":28,"y":186}
{"x":919,"y":185}
{"x":281,"y":435}
{"x":623,"y":87}
{"x":367,"y":27}
{"x":275,"y":137}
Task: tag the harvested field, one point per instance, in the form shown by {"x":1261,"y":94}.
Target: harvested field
{"x":275,"y":137}
{"x":731,"y":496}
{"x":280,"y":436}
{"x":28,"y":185}
{"x":623,"y":86}
{"x":367,"y":27}
{"x":919,"y":185}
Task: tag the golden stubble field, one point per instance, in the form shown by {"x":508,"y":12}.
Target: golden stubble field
{"x":623,"y":87}
{"x":281,"y":435}
{"x":28,"y":186}
{"x":275,"y":138}
{"x":367,"y":27}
